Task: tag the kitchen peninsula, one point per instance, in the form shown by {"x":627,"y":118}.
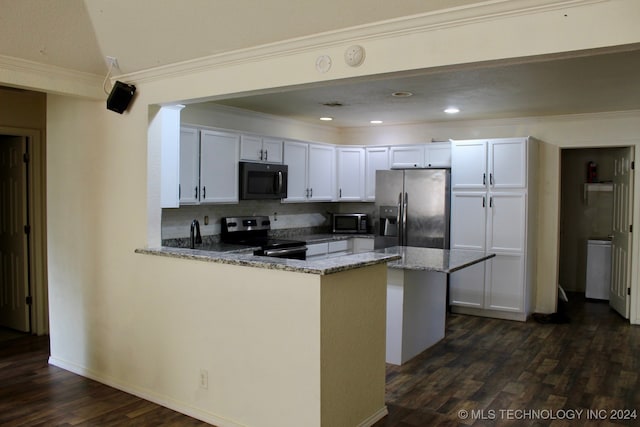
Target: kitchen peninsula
{"x":310,"y":334}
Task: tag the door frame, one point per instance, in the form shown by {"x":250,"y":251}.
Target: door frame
{"x":634,"y":316}
{"x":37,"y":196}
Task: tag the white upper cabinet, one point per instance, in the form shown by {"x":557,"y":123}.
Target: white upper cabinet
{"x":296,"y":155}
{"x":437,"y":155}
{"x":407,"y":156}
{"x":351,"y":173}
{"x":311,"y":171}
{"x":164,"y":135}
{"x":469,"y":165}
{"x":189,"y":166}
{"x":322,"y":172}
{"x":376,"y":158}
{"x":260,"y":149}
{"x":507,"y":163}
{"x":489,"y":164}
{"x":219,"y":154}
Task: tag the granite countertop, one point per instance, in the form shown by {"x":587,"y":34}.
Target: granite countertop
{"x":245,"y":257}
{"x":431,"y":259}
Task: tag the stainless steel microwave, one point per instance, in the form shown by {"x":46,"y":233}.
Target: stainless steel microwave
{"x":263,"y":181}
{"x":350,"y":223}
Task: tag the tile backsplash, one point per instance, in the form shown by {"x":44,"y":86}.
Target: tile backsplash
{"x":176,"y":222}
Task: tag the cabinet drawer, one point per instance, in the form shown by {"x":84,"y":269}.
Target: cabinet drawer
{"x":317,"y":249}
{"x":339,"y":246}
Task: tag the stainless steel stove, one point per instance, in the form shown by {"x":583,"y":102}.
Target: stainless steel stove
{"x":254,"y":231}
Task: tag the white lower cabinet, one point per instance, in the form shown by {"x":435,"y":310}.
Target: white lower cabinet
{"x":339,"y":247}
{"x":466,"y":286}
{"x":329,"y":249}
{"x":362,"y":244}
{"x":494,"y":223}
{"x":504,"y":279}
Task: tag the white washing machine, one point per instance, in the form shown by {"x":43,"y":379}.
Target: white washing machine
{"x":598,"y":268}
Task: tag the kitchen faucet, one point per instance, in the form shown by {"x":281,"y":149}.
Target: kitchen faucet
{"x":198,"y":238}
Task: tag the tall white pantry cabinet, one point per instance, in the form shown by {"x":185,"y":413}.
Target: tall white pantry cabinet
{"x":493,"y":209}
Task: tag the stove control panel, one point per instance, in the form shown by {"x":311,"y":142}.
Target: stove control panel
{"x":245,"y":223}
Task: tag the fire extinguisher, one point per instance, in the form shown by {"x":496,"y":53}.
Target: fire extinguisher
{"x":592,"y":172}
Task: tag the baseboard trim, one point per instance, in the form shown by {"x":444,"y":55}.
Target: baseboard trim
{"x":375,"y":417}
{"x":494,"y":314}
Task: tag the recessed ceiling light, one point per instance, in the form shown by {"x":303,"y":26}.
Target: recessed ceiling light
{"x":402,"y":94}
{"x":452,"y":110}
{"x":326,"y":119}
{"x":375,"y":122}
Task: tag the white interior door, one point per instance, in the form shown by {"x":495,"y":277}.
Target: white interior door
{"x":14,"y":286}
{"x":621,"y":242}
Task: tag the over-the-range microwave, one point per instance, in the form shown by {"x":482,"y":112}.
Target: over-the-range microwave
{"x":350,"y":223}
{"x":263,"y":181}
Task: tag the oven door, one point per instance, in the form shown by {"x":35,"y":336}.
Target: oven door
{"x":259,"y":181}
{"x":299,"y":252}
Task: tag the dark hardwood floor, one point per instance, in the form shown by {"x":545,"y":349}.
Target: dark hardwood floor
{"x":499,"y":372}
{"x":489,"y":372}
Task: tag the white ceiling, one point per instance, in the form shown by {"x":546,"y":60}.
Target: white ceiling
{"x":143,"y":34}
{"x":584,"y":84}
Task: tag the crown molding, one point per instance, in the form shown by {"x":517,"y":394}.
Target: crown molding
{"x":421,"y":23}
{"x":33,"y":75}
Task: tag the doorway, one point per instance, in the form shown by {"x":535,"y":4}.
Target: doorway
{"x":15,"y":286}
{"x":595,"y":217}
{"x":23,"y":275}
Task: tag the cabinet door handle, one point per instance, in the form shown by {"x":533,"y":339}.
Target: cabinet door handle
{"x":204,"y":193}
{"x":491,"y":201}
{"x":484,"y":201}
{"x":196,"y":193}
{"x":311,"y":193}
{"x":266,"y":155}
{"x":484,"y":179}
{"x":179,"y":191}
{"x":490,"y":179}
{"x":340,"y":193}
{"x":307,"y":193}
{"x":260,"y":154}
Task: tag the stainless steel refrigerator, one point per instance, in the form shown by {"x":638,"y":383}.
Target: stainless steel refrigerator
{"x":413,"y":208}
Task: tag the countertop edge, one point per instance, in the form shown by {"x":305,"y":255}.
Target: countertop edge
{"x":319,"y":267}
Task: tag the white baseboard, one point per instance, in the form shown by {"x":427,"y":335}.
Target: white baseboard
{"x":375,"y":417}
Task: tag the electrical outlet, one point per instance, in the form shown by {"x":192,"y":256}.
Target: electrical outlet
{"x":204,"y":379}
{"x":112,"y":62}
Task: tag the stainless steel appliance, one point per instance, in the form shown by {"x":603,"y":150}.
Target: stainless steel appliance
{"x":253,"y":231}
{"x":260,"y":181}
{"x":413,"y":207}
{"x":350,"y":223}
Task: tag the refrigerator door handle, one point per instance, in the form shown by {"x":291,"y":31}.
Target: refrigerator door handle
{"x":399,"y":220}
{"x":404,"y":219}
